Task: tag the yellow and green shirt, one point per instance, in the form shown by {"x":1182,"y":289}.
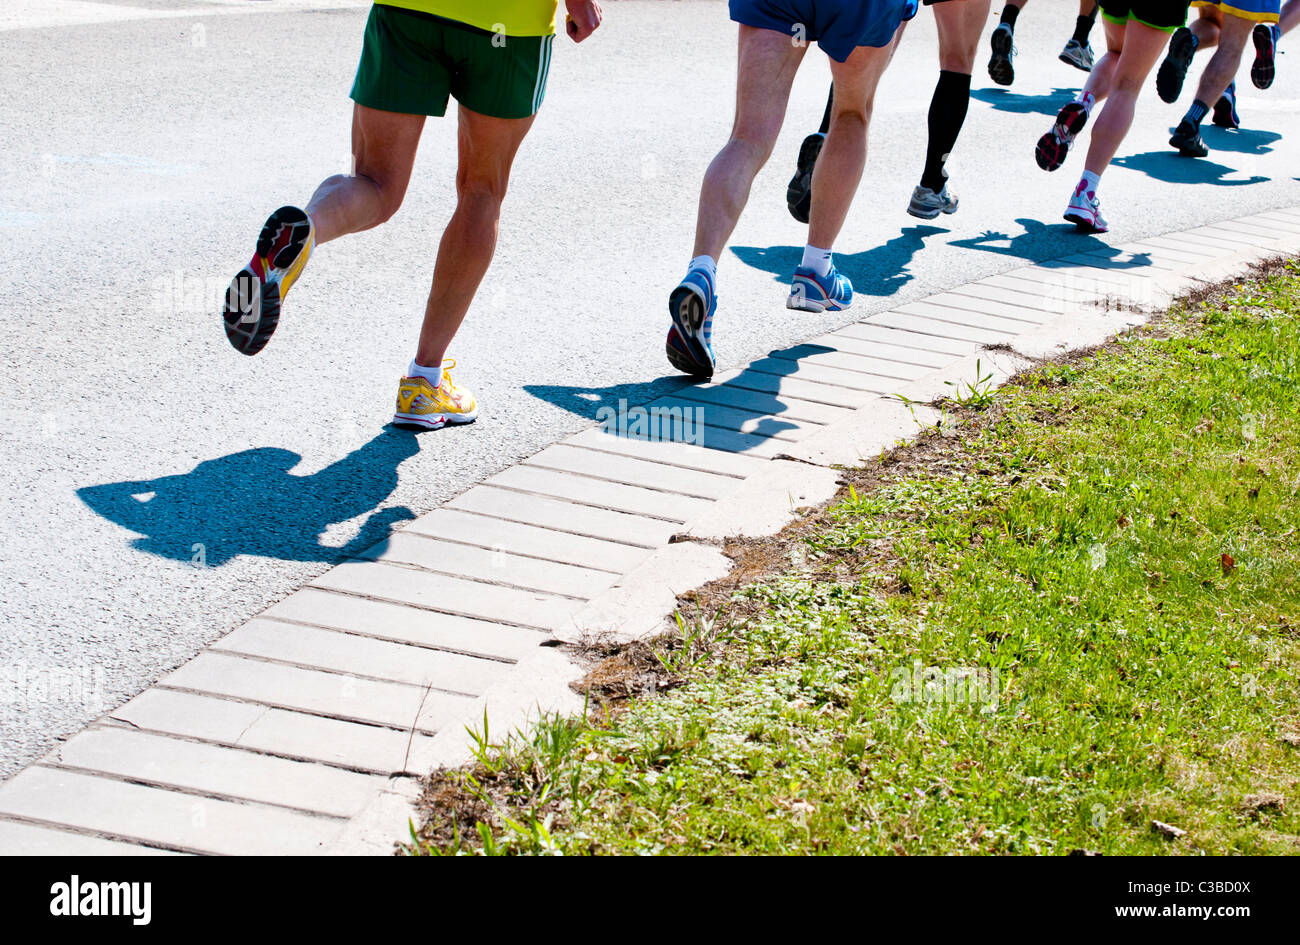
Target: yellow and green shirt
{"x":512,"y":17}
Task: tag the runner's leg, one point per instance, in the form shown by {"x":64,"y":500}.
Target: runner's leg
{"x":383,"y":153}
{"x":959,"y":26}
{"x":487,"y":148}
{"x":767,"y":65}
{"x":1140,"y":48}
{"x":839,"y":169}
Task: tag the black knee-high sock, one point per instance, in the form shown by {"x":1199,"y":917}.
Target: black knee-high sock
{"x":1083,"y":26}
{"x":1009,"y":14}
{"x":947,"y":114}
{"x":826,"y":116}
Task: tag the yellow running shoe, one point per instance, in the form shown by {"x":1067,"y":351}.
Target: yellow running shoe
{"x":420,"y":404}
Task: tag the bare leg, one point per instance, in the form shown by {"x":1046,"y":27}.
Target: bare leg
{"x":839,"y":168}
{"x":765,"y":72}
{"x":1290,"y":16}
{"x":1206,"y":27}
{"x":960,"y":25}
{"x":1102,"y":76}
{"x":1140,"y":48}
{"x":383,"y":152}
{"x":1234,"y":34}
{"x":487,"y":149}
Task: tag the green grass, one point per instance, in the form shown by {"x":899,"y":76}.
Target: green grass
{"x":1113,"y":543}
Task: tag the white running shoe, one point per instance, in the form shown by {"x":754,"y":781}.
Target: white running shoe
{"x":927,"y":204}
{"x":1084,"y":211}
{"x":1078,"y":55}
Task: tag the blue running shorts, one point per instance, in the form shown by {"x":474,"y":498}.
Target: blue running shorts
{"x":838,"y":26}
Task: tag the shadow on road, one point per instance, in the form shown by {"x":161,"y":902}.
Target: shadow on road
{"x":879,"y":272}
{"x":1046,"y":104}
{"x":1172,"y":168}
{"x":1240,"y":141}
{"x":249,"y":503}
{"x":1041,"y":242}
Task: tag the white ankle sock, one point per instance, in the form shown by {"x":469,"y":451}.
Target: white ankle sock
{"x":431,"y":374}
{"x":705,"y":262}
{"x":1086,"y":99}
{"x":1092,"y":181}
{"x":816,"y":259}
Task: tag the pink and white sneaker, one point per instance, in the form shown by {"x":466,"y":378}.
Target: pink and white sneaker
{"x":1084,"y":210}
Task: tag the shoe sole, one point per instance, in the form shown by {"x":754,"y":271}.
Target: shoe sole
{"x":929,"y":213}
{"x":1001,"y":70}
{"x":686,"y":309}
{"x":1173,"y":70}
{"x":1054,"y":147}
{"x":252,"y":307}
{"x":1084,"y":224}
{"x":798,"y":195}
{"x":800,"y":302}
{"x":1071,"y":61}
{"x":435,"y":422}
{"x":1264,"y":69}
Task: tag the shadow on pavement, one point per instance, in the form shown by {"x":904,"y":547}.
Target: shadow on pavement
{"x":1021,"y":104}
{"x":879,"y":272}
{"x":1240,"y":141}
{"x":249,"y":503}
{"x":1041,"y":242}
{"x":1172,"y":168}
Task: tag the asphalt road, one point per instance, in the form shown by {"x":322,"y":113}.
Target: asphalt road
{"x":159,"y":489}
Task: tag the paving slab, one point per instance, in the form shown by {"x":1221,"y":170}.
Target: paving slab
{"x":800,"y":387}
{"x":493,"y":566}
{"x":386,"y":620}
{"x":631,"y":471}
{"x":368,"y":748}
{"x":213,"y":770}
{"x":686,"y":455}
{"x":338,"y":652}
{"x":335,"y":695}
{"x":585,"y":520}
{"x":379,"y":580}
{"x":22,"y":839}
{"x":183,"y":822}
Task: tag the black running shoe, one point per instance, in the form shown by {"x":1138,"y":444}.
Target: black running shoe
{"x":1265,"y":67}
{"x":1055,"y":145}
{"x":798,"y":196}
{"x":1225,"y":109}
{"x":1187,"y":139}
{"x":252,"y":308}
{"x":1173,"y":71}
{"x":1000,"y":69}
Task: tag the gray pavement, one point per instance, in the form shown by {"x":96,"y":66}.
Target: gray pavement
{"x":160,"y":489}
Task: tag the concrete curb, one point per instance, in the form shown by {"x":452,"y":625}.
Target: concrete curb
{"x":305,"y":730}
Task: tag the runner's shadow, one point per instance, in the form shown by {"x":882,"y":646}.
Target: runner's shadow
{"x":880,"y":272}
{"x":1241,"y":140}
{"x":1041,"y":242}
{"x":249,"y":503}
{"x":655,"y":411}
{"x":1021,"y":104}
{"x":1172,"y":168}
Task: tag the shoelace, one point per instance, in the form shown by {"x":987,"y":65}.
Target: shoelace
{"x":447,"y":365}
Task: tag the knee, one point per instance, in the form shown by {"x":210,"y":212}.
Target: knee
{"x":388,"y":198}
{"x":854,"y":120}
{"x":755,"y":144}
{"x":481,"y":194}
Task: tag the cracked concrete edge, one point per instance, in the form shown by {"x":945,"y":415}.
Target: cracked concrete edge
{"x":767,"y":501}
{"x":538,"y":686}
{"x":640,"y":604}
{"x":803,"y":475}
